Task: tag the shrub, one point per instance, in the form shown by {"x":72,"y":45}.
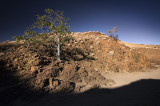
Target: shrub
{"x":113,"y":33}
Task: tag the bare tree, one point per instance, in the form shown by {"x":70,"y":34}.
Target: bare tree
{"x":113,"y":33}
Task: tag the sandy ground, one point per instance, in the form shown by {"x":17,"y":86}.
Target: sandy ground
{"x":123,"y":79}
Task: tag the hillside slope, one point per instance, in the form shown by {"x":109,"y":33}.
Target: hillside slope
{"x":150,"y":51}
{"x":84,"y":63}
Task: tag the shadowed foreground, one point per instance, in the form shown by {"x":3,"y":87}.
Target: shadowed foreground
{"x":140,"y":93}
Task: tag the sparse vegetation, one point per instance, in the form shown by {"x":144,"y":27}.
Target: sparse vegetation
{"x":113,"y":33}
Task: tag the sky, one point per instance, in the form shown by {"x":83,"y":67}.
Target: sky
{"x":138,"y":21}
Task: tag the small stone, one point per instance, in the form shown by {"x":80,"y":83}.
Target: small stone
{"x":109,"y":39}
{"x":85,"y":38}
{"x":111,"y":53}
{"x":99,"y":50}
{"x":82,"y":41}
{"x":96,"y":57}
{"x":69,"y":44}
{"x":97,"y":38}
{"x":91,"y":47}
{"x":66,"y":86}
{"x":1,"y":53}
{"x":78,"y":57}
{"x":37,"y":62}
{"x":55,"y":83}
{"x":50,"y":82}
{"x":76,"y":42}
{"x":19,"y":67}
{"x":97,"y":43}
{"x":96,"y":69}
{"x":79,"y":39}
{"x":15,"y":60}
{"x":92,"y":54}
{"x":34,"y":68}
{"x":8,"y":65}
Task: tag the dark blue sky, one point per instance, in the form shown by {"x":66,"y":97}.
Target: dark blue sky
{"x":138,"y":21}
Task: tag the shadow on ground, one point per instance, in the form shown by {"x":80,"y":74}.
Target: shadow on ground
{"x":12,"y":88}
{"x":140,"y":93}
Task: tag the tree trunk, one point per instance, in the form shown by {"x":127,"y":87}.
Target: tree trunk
{"x":58,"y":48}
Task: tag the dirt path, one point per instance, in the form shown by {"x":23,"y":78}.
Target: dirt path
{"x":122,"y":79}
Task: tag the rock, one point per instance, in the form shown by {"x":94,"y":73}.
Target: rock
{"x":50,"y":82}
{"x":96,"y":69}
{"x":85,"y":39}
{"x":45,"y":62}
{"x":78,"y":57}
{"x":15,"y":60}
{"x":34,"y":68}
{"x":109,"y":40}
{"x":97,"y":43}
{"x":96,"y":57}
{"x":91,"y":47}
{"x":69,"y":44}
{"x":79,"y":39}
{"x":15,"y":64}
{"x":92,"y":54}
{"x":37,"y":62}
{"x":69,"y":71}
{"x":21,"y":63}
{"x":99,"y":51}
{"x":97,"y":38}
{"x":65,"y":86}
{"x":55,"y":83}
{"x":40,"y":62}
{"x":19,"y":67}
{"x":82,"y":42}
{"x":8,"y":65}
{"x":76,"y":42}
{"x":1,"y":54}
{"x":111,"y":53}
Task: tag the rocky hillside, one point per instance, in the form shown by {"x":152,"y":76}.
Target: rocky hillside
{"x":84,"y":61}
{"x":150,"y":51}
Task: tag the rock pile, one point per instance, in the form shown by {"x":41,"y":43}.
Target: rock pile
{"x":84,"y":61}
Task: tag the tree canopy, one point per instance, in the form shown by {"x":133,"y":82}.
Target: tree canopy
{"x":51,"y":22}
